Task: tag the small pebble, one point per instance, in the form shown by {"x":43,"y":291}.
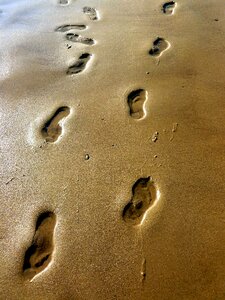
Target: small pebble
{"x":87,"y":156}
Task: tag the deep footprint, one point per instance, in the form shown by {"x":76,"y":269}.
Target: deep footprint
{"x":80,"y":64}
{"x":159,"y":46}
{"x":136,"y":101}
{"x":91,"y":12}
{"x":52,"y":128}
{"x":39,"y":254}
{"x":76,"y":38}
{"x":168,"y":7}
{"x":65,"y":28}
{"x":144,"y":195}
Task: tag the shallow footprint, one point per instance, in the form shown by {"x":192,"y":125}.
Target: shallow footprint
{"x":144,"y":195}
{"x":52,"y":128}
{"x":39,"y":254}
{"x":80,"y":64}
{"x":91,"y":12}
{"x":168,"y":7}
{"x":65,"y":28}
{"x":63,"y":2}
{"x":76,"y":38}
{"x":159,"y":46}
{"x":136,"y":100}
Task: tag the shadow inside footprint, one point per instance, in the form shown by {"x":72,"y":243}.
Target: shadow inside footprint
{"x":52,"y":128}
{"x":76,"y":38}
{"x":136,"y":100}
{"x":168,"y":7}
{"x":159,"y":46}
{"x":80,"y":64}
{"x":91,"y":12}
{"x":144,"y":195}
{"x":39,"y":254}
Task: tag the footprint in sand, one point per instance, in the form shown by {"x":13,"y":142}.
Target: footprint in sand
{"x":80,"y":65}
{"x":136,"y":102}
{"x":91,"y":12}
{"x":144,"y":195}
{"x":159,"y":46}
{"x":39,"y":254}
{"x":169,"y":7}
{"x":68,"y":27}
{"x":52,"y":129}
{"x":63,"y":2}
{"x":76,"y":38}
{"x":73,"y":37}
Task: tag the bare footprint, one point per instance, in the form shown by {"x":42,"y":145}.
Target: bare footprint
{"x":76,"y":38}
{"x":80,"y":64}
{"x":136,"y":101}
{"x":168,"y":7}
{"x":91,"y":12}
{"x":65,"y":28}
{"x":144,"y":195}
{"x":159,"y":46}
{"x":63,"y":2}
{"x":52,"y":128}
{"x":39,"y":254}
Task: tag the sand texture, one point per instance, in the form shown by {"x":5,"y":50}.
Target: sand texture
{"x":112,"y":150}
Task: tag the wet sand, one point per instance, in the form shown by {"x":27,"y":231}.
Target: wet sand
{"x":112,"y":150}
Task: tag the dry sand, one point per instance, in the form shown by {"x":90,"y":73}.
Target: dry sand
{"x":112,"y":150}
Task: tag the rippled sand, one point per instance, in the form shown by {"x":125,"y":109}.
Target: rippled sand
{"x":112,"y":150}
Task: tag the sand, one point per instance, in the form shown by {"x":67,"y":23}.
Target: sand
{"x":112,"y":150}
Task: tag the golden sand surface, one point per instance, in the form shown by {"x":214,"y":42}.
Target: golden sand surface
{"x":112,"y":147}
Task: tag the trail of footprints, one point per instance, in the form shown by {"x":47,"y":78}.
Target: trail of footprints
{"x":160,"y":45}
{"x":136,"y":99}
{"x":52,"y":129}
{"x":81,"y":63}
{"x":144,"y":193}
{"x":39,"y":254}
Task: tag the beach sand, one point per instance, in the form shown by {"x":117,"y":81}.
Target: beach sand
{"x":112,"y":147}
